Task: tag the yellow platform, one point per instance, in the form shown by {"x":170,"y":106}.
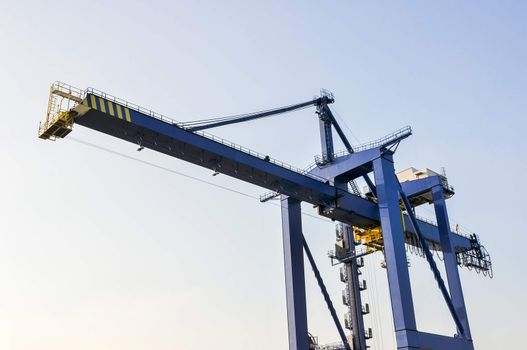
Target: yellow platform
{"x":57,"y":127}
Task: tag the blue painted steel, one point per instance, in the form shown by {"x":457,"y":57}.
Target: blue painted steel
{"x":195,"y":148}
{"x":394,"y":247}
{"x":420,"y":186}
{"x":431,"y":262}
{"x":450,"y":260}
{"x":347,"y":144}
{"x":433,"y":184}
{"x":431,"y":233}
{"x":407,"y":335}
{"x":424,"y":340}
{"x":325,"y":293}
{"x":187,"y":142}
{"x":294,"y":273}
{"x":350,"y":166}
{"x":333,"y":202}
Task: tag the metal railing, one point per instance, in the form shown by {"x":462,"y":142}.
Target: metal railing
{"x":460,"y":231}
{"x":209,"y":136}
{"x":259,"y":155}
{"x":131,"y":105}
{"x":332,"y":346}
{"x":383,"y":141}
{"x":62,"y":98}
{"x":268,"y":195}
{"x":446,"y":185}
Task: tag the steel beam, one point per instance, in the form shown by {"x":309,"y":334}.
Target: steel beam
{"x":419,"y":186}
{"x":213,"y":154}
{"x":429,"y":341}
{"x":431,"y":262}
{"x":394,"y":248}
{"x":348,"y":146}
{"x":326,"y":296}
{"x":450,"y":260}
{"x":294,"y":273}
{"x":350,"y":166}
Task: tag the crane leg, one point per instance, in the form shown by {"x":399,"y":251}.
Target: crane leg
{"x":294,"y":273}
{"x":327,"y":298}
{"x":450,"y":260}
{"x":394,"y":250}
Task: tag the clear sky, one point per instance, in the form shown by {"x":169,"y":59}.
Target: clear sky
{"x":102,"y":252}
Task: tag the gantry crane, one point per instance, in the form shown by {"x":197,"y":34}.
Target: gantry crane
{"x":380,"y":219}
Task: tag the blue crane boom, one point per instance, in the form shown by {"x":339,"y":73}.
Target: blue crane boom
{"x":112,"y":116}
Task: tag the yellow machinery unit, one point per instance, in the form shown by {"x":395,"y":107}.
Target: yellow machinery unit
{"x":61,"y":113}
{"x":371,"y":238}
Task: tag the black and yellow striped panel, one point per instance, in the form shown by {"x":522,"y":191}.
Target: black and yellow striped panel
{"x":108,"y":107}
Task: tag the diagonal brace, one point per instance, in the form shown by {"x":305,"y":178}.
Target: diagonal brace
{"x":325,"y":294}
{"x":430,"y":259}
{"x":348,"y":146}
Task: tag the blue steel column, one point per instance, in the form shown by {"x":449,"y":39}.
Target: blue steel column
{"x":294,"y":273}
{"x":449,"y":254}
{"x":394,"y":250}
{"x":325,"y":293}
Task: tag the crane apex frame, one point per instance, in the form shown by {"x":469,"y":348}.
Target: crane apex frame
{"x":382,"y":219}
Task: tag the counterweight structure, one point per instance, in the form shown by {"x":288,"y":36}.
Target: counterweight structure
{"x":381,"y":219}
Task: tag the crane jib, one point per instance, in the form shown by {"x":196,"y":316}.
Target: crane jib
{"x":211,"y":152}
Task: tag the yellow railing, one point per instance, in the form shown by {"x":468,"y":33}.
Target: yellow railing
{"x":59,"y":118}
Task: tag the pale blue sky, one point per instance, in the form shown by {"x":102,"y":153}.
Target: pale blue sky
{"x":100,"y":252}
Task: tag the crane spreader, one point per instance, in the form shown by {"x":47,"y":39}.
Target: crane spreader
{"x":380,"y":218}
